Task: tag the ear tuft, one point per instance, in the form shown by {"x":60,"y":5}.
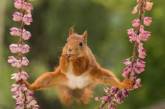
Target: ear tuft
{"x":85,"y":36}
{"x":71,"y":30}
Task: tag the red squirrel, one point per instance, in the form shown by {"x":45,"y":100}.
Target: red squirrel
{"x":78,"y":72}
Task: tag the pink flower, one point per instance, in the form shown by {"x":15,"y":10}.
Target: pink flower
{"x":136,"y":23}
{"x":32,"y":103}
{"x":147,"y":21}
{"x":148,"y":6}
{"x":137,"y":84}
{"x":25,"y":48}
{"x":17,"y":16}
{"x":11,"y":59}
{"x":24,"y":61}
{"x":113,"y":90}
{"x":125,"y":92}
{"x":133,"y":68}
{"x":126,"y":72}
{"x":139,"y":66}
{"x":15,"y":31}
{"x":20,"y":76}
{"x":132,"y":35}
{"x":13,"y":48}
{"x":18,"y":4}
{"x":16,"y":89}
{"x":144,"y":35}
{"x":26,"y":35}
{"x":127,"y":62}
{"x":141,"y":51}
{"x":119,"y":97}
{"x":105,"y":98}
{"x":21,"y":4}
{"x":14,"y":62}
{"x":27,"y":19}
{"x":112,"y":107}
{"x":19,"y":91}
{"x":128,"y":69}
{"x":27,"y":6}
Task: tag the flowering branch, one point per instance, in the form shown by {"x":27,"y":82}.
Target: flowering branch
{"x":134,"y":65}
{"x":22,"y":95}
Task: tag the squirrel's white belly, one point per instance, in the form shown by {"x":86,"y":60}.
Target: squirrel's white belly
{"x":77,"y":82}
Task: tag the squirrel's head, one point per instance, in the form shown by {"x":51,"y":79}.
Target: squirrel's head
{"x":76,"y":45}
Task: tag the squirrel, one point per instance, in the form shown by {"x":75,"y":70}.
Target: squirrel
{"x":78,"y":72}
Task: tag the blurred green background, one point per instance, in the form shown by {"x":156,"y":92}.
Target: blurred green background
{"x":106,"y":22}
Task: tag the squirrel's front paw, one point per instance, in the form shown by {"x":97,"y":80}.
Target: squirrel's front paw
{"x":27,"y":84}
{"x":127,"y":84}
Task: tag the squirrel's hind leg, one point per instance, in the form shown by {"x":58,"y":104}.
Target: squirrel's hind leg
{"x":65,"y":96}
{"x":86,"y":96}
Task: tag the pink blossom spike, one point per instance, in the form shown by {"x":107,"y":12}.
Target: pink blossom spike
{"x":135,"y":65}
{"x":23,"y":96}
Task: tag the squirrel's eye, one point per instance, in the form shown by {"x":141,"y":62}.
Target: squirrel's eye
{"x":80,"y":44}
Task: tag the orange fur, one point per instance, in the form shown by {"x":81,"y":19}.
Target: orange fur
{"x":78,"y":72}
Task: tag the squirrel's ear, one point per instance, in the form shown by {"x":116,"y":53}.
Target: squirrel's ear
{"x":71,"y":30}
{"x":85,"y":36}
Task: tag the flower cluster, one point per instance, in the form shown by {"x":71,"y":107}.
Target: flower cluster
{"x":19,"y":48}
{"x":18,"y":63}
{"x":113,"y":96}
{"x":134,"y":65}
{"x":23,"y":96}
{"x":21,"y":33}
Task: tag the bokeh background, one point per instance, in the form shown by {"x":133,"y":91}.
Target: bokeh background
{"x":106,"y":22}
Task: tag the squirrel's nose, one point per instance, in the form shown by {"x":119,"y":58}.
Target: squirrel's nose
{"x":69,"y":49}
{"x":69,"y":52}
